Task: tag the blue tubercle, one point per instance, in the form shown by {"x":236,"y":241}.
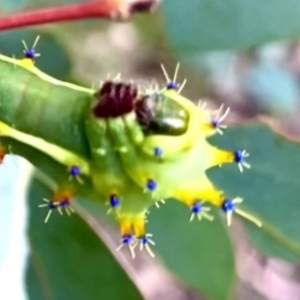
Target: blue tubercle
{"x":216,"y":122}
{"x":130,"y":241}
{"x":64,"y":203}
{"x":151,"y":185}
{"x":75,"y":171}
{"x":114,"y":200}
{"x":145,"y":242}
{"x":228,"y":205}
{"x":51,"y":206}
{"x":30,"y":52}
{"x":157,"y":151}
{"x":239,"y":158}
{"x":196,"y":207}
{"x":199,"y":210}
{"x":172,"y":84}
{"x":144,"y":239}
{"x":127,"y":239}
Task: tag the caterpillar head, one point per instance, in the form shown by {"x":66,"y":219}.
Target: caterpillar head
{"x":161,"y":115}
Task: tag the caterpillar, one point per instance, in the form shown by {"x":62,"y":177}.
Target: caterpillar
{"x":122,"y":145}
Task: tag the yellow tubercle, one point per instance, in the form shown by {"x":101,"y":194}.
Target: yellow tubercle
{"x":139,"y":225}
{"x":62,"y":194}
{"x":208,"y":130}
{"x":132,"y":223}
{"x":125,"y":226}
{"x":199,"y":189}
{"x":26,"y":63}
{"x":218,"y":157}
{"x":211,"y":195}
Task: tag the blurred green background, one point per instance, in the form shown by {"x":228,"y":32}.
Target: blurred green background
{"x":243,"y":53}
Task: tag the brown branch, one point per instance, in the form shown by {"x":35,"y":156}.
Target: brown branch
{"x":97,"y":9}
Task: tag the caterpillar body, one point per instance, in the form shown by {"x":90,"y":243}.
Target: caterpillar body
{"x":121,"y":145}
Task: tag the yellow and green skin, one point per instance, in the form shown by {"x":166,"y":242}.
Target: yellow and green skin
{"x":88,"y":146}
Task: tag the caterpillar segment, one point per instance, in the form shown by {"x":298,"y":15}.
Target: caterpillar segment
{"x":119,"y":145}
{"x":33,"y":106}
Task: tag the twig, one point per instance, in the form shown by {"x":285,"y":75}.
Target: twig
{"x":99,"y":9}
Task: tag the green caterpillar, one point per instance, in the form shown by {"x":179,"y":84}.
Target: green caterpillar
{"x":120,"y":145}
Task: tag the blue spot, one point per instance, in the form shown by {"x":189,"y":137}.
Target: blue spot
{"x":196,"y":207}
{"x":75,"y":171}
{"x":228,"y":205}
{"x":127,"y":239}
{"x":151,"y":185}
{"x":114,"y":200}
{"x":64,"y":203}
{"x":215,"y":123}
{"x":239,"y":156}
{"x":51,"y":205}
{"x":157,"y":151}
{"x":30,"y":53}
{"x":172,"y":85}
{"x":144,"y":239}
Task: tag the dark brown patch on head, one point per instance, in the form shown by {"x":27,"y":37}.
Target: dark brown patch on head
{"x":115,"y":99}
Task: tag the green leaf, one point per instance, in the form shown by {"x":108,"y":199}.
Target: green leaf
{"x":68,"y":261}
{"x":199,"y":252}
{"x":48,"y":46}
{"x":205,"y":25}
{"x":271,"y":188}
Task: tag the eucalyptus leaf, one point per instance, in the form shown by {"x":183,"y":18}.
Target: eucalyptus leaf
{"x":271,"y":188}
{"x":204,"y":25}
